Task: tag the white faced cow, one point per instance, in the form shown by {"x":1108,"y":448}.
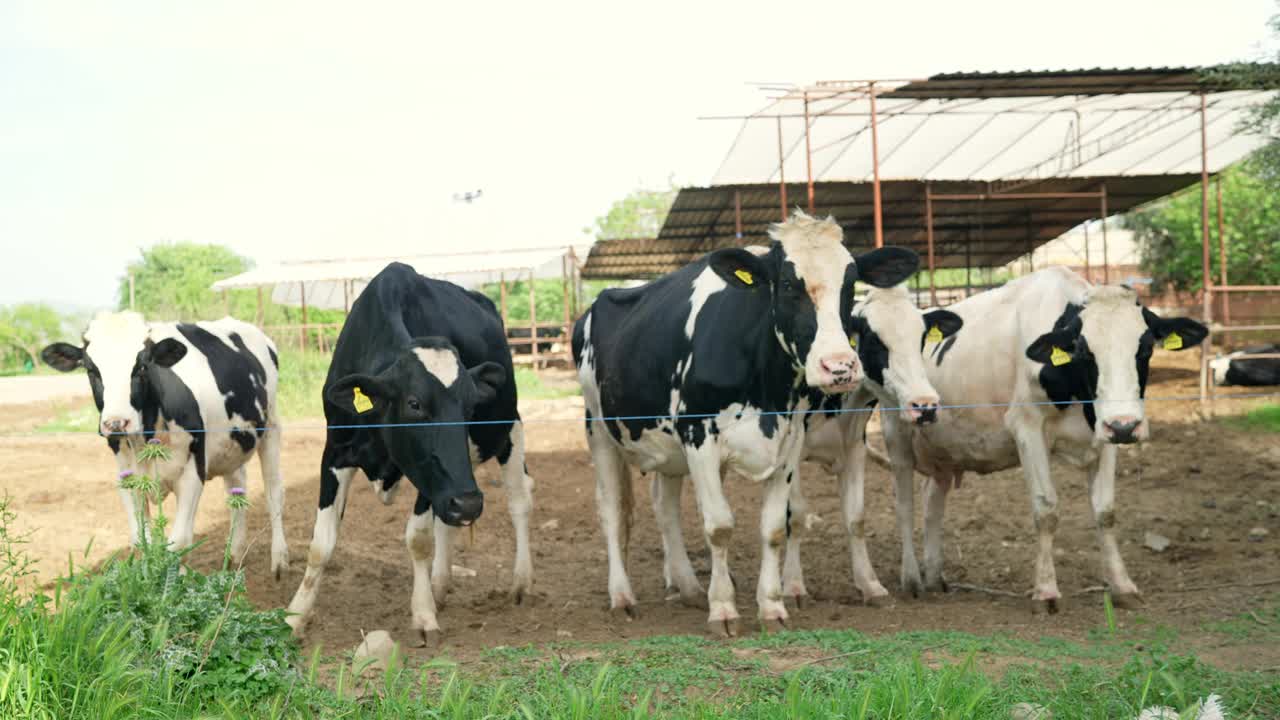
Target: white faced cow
{"x":208,"y":389}
{"x":420,"y":387}
{"x":1046,"y":365}
{"x":709,"y":368}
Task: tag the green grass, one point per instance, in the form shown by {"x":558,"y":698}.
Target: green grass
{"x":75,"y":418}
{"x":530,"y":386}
{"x":1265,"y":419}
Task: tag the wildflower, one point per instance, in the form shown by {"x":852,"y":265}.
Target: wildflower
{"x":125,"y":474}
{"x":236,"y":491}
{"x":154,"y":441}
{"x":236,"y":499}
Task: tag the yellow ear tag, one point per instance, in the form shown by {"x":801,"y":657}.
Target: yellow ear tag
{"x":853,"y":341}
{"x":745,"y":276}
{"x":361,"y":401}
{"x":1059,"y":356}
{"x":1173,"y":341}
{"x":934,"y":335}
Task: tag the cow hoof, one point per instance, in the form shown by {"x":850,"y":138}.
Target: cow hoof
{"x":768,"y":627}
{"x":878,"y":601}
{"x":726,"y":628}
{"x":1128,"y":601}
{"x":627,"y":612}
{"x":690,"y":596}
{"x":428,"y":638}
{"x":913,"y":587}
{"x":938,"y":586}
{"x":1044,"y":606}
{"x":297,"y":623}
{"x":800,"y":600}
{"x":517,"y":596}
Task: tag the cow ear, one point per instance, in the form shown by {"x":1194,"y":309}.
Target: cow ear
{"x":168,"y":352}
{"x":488,"y":378}
{"x":1175,"y":333}
{"x":1056,"y":348}
{"x":941,"y":324}
{"x":63,"y":357}
{"x":359,"y":394}
{"x":887,"y":266}
{"x":739,"y":268}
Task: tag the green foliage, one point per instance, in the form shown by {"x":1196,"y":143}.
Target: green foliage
{"x":1265,"y":419}
{"x":549,"y":295}
{"x":1169,"y":233}
{"x":172,"y":280}
{"x":24,"y":330}
{"x":639,"y":214}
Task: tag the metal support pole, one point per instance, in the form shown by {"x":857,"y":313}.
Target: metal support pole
{"x":533,"y":321}
{"x":302,"y":331}
{"x":968,"y":263}
{"x":1106,"y":260}
{"x":226,"y":304}
{"x":131,"y":304}
{"x":346,"y":296}
{"x":1088,"y":271}
{"x":502,"y":297}
{"x":782,"y":174}
{"x":808,"y":153}
{"x":928,"y":229}
{"x":258,"y":316}
{"x":1222,"y":263}
{"x":564,"y":289}
{"x":737,"y":214}
{"x":875,"y":169}
{"x":1207,"y":291}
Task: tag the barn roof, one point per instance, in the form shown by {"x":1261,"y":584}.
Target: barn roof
{"x":1005,"y":136}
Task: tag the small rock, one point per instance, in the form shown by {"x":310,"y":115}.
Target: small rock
{"x":1204,"y":533}
{"x":812,"y":520}
{"x":1155,"y":541}
{"x":1194,"y":469}
{"x":552,"y":524}
{"x":1209,"y":504}
{"x":563,"y":634}
{"x":1029,"y":711}
{"x":377,"y":652}
{"x":459,"y":571}
{"x":1257,"y":534}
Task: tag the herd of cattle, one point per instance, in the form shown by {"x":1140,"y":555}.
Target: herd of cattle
{"x":749,"y":359}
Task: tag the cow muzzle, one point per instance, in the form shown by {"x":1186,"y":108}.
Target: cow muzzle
{"x":116,"y":426}
{"x":461,"y":510}
{"x":1123,"y":430}
{"x":839,"y":373}
{"x":922,"y":410}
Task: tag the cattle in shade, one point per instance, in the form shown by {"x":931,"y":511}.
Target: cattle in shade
{"x":1238,"y":368}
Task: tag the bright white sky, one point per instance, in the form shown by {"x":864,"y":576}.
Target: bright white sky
{"x":289,"y":130}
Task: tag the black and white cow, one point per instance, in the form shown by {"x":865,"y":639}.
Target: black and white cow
{"x":888,"y":331}
{"x":1238,"y":368}
{"x":207,"y":389}
{"x":420,"y":385}
{"x":708,"y":368}
{"x":1047,"y":364}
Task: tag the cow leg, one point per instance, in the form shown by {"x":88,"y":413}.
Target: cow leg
{"x":717,"y":525}
{"x":797,"y":508}
{"x":269,"y":460}
{"x":676,"y":569}
{"x":613,"y":500}
{"x":935,"y":505}
{"x":417,"y":534}
{"x":773,"y":535}
{"x":233,"y":480}
{"x":188,"y":490}
{"x":1102,"y":494}
{"x":1033,"y":452}
{"x":897,"y":440}
{"x":519,"y":503}
{"x":334,"y":484}
{"x":852,"y":480}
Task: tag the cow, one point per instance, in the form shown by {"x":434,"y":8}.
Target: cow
{"x":888,"y":331}
{"x":1047,"y":365}
{"x":207,"y":390}
{"x":420,"y":385}
{"x":709,"y":368}
{"x":1238,"y":368}
{"x":526,"y":348}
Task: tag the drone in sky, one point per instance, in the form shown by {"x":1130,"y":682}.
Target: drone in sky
{"x":468,"y":197}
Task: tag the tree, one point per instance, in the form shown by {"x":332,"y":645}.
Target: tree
{"x":1169,"y":233}
{"x":24,"y":329}
{"x":639,"y":214}
{"x":172,"y":280}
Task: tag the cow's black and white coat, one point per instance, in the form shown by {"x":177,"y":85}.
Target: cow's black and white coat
{"x":1046,"y":364}
{"x":207,"y":389}
{"x":707,"y":367}
{"x":420,"y":387}
{"x":1241,"y":368}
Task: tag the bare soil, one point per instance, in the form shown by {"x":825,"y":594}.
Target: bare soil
{"x":1202,"y":485}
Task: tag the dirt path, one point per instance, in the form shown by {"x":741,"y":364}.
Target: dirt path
{"x":1204,"y":486}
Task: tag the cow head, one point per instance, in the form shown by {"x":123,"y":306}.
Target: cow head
{"x":419,"y":407}
{"x":889,"y":332}
{"x":120,"y":359}
{"x":811,"y":277}
{"x":1100,"y":352}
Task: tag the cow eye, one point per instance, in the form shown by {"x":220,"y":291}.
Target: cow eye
{"x":413,"y":404}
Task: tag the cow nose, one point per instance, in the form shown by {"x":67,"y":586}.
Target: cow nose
{"x":1123,"y":430}
{"x":840,"y":367}
{"x":463,"y":509}
{"x":115,"y":426}
{"x":923,"y":410}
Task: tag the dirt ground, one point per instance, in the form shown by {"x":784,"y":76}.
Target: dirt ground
{"x":1203,"y":486}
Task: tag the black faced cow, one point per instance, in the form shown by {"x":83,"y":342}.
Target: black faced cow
{"x":1047,"y":364}
{"x":1239,"y":368}
{"x":206,"y":389}
{"x":708,"y":368}
{"x":421,"y":386}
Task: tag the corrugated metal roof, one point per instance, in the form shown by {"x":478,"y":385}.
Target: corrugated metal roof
{"x":1090,"y":81}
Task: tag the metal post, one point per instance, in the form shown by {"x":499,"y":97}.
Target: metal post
{"x":533,"y":320}
{"x":226,"y":304}
{"x":928,"y":226}
{"x":968,"y":263}
{"x":737,"y":214}
{"x":1222,"y":263}
{"x":1206,"y":292}
{"x":131,"y":305}
{"x":502,"y":297}
{"x":564,"y":289}
{"x":782,"y":174}
{"x":1088,"y":272}
{"x":1106,"y":260}
{"x":346,"y":296}
{"x":808,"y":154}
{"x":258,"y":316}
{"x":875,"y":169}
{"x":302,"y":331}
